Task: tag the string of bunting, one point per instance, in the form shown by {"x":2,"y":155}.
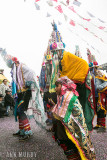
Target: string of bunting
{"x":77,"y":3}
{"x":73,"y":23}
{"x":88,"y":19}
{"x":89,"y":45}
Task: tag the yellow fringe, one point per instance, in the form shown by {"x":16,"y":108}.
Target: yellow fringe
{"x":101,"y":103}
{"x":79,"y":149}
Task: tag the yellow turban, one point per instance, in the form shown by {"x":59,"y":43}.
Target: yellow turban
{"x":73,"y":67}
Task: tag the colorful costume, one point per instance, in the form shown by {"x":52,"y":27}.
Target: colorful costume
{"x":26,"y":92}
{"x":77,"y":70}
{"x":29,"y":98}
{"x":71,"y":130}
{"x":99,"y":88}
{"x":67,"y":64}
{"x":50,"y":71}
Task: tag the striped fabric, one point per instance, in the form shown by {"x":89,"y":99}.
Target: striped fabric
{"x":24,"y":125}
{"x":101,"y":122}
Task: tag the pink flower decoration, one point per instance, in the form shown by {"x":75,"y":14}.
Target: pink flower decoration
{"x":43,"y":64}
{"x":95,"y":63}
{"x":54,"y":45}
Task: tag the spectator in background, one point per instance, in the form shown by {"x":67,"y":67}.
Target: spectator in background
{"x":4,"y":87}
{"x":2,"y":110}
{"x":101,"y":100}
{"x":8,"y":101}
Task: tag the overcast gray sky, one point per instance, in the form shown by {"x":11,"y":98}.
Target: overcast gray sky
{"x":25,"y":31}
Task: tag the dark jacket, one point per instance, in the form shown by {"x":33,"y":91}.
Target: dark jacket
{"x":8,"y":100}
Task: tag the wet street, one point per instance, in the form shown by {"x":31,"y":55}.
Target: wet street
{"x":41,"y":145}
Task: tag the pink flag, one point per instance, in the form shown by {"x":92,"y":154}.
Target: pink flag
{"x":37,"y":0}
{"x":72,"y":8}
{"x":86,"y":29}
{"x":67,"y":2}
{"x":59,"y":8}
{"x":101,"y":27}
{"x":72,"y":22}
{"x":55,"y":0}
{"x":86,"y":19}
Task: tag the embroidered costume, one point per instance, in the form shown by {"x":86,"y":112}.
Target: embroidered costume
{"x":70,"y":128}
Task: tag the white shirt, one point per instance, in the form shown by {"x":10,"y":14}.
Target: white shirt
{"x":3,"y":89}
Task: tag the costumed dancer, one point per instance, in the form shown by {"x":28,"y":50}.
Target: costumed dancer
{"x":101,"y":100}
{"x":99,"y":87}
{"x":50,"y":71}
{"x":25,"y":90}
{"x":70,"y":129}
{"x":23,"y":96}
{"x":77,"y":69}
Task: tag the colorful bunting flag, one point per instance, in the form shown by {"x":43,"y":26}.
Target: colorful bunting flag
{"x":101,"y":27}
{"x":86,"y":29}
{"x":93,"y":47}
{"x":50,"y":3}
{"x":48,"y":15}
{"x":37,"y":6}
{"x":91,"y":15}
{"x":83,"y":40}
{"x":86,"y":19}
{"x":95,"y":35}
{"x":59,"y":23}
{"x":59,"y":8}
{"x":101,"y":20}
{"x":63,"y":3}
{"x":65,"y":16}
{"x":101,"y":39}
{"x":72,"y":22}
{"x":72,"y":8}
{"x":67,"y":2}
{"x":98,"y":51}
{"x":55,"y":0}
{"x":77,"y":3}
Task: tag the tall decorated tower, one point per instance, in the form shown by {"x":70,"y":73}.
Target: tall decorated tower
{"x":51,"y":61}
